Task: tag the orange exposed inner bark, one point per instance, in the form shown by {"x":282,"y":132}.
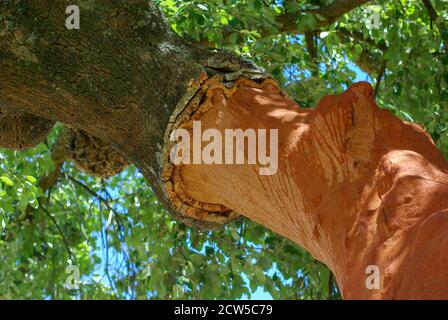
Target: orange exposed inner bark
{"x":355,"y":186}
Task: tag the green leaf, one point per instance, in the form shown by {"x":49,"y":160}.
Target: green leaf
{"x":31,"y":179}
{"x":7,"y":181}
{"x":233,"y":38}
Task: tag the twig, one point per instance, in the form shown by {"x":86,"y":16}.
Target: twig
{"x":312,"y":50}
{"x":58,"y":156}
{"x":435,"y":18}
{"x":92,"y":192}
{"x":380,"y":77}
{"x":67,"y":246}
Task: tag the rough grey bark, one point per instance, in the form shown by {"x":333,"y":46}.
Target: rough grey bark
{"x":119,"y":77}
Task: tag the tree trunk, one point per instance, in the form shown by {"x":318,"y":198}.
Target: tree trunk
{"x":355,"y":186}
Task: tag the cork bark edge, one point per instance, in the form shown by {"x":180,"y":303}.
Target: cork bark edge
{"x":196,"y":102}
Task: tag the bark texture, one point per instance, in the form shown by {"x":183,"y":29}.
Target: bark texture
{"x":356,"y":186}
{"x":92,"y":156}
{"x":19,"y":130}
{"x":118,"y":78}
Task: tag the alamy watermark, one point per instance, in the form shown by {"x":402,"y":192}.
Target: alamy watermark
{"x":72,"y":280}
{"x":73,"y":21}
{"x":373,"y":20}
{"x":373,"y":280}
{"x":228,"y":149}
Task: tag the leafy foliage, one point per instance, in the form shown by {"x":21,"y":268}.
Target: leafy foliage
{"x":116,"y":232}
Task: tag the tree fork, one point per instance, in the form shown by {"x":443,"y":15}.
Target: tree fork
{"x":355,"y":185}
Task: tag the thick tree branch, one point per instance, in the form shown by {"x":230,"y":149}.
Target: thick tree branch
{"x":330,"y":13}
{"x":352,"y":183}
{"x":287,"y":22}
{"x":350,"y":186}
{"x":117,"y":78}
{"x":99,"y":76}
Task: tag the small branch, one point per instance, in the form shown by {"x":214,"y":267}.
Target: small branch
{"x":338,"y":8}
{"x":439,"y":23}
{"x":335,"y":10}
{"x":365,"y":61}
{"x":287,"y":22}
{"x":309,"y":39}
{"x":402,"y":9}
{"x":380,"y":77}
{"x":265,"y":3}
{"x":93,"y":193}
{"x":359,"y":36}
{"x":58,"y":157}
{"x":67,"y":246}
{"x":330,"y":284}
{"x":431,"y":11}
{"x":312,"y":50}
{"x":330,"y":13}
{"x":117,"y":220}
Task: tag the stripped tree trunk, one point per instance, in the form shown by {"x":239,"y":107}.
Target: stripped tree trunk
{"x":355,"y":185}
